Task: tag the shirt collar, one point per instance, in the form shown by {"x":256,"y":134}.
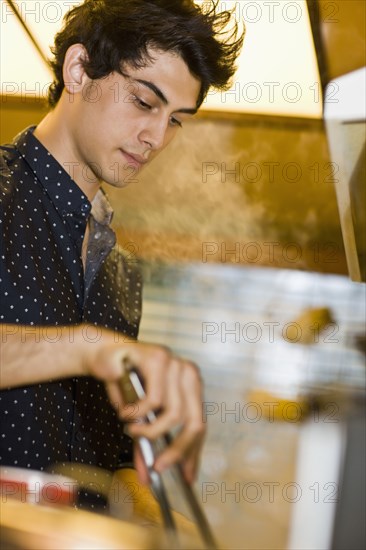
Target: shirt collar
{"x":101,"y":210}
{"x":65,"y":194}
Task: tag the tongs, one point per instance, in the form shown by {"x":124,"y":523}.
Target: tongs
{"x":133,"y":390}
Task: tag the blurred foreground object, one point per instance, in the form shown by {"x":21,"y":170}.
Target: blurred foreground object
{"x":29,"y":527}
{"x":34,"y":487}
{"x":52,"y":524}
{"x":136,"y":503}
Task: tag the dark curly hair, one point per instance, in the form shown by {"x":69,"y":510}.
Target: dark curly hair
{"x":116,"y":32}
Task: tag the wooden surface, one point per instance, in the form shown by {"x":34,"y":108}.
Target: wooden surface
{"x":33,"y":527}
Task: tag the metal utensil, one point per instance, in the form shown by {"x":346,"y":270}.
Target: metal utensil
{"x":133,"y":390}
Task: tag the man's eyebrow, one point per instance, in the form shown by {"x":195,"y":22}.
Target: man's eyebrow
{"x":188,"y":111}
{"x":161,"y":96}
{"x":153,"y":88}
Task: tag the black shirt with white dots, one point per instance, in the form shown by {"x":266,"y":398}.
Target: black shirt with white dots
{"x":43,"y":219}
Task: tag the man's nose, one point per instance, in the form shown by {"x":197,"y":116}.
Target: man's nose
{"x":155,"y":134}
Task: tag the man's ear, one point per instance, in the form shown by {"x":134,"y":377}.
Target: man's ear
{"x":74,"y":73}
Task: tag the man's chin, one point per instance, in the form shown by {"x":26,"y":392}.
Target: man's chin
{"x":125,"y":177}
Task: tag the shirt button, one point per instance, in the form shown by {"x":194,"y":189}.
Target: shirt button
{"x":97,"y":235}
{"x":84,"y":207}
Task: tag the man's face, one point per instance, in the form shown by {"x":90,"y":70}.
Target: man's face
{"x":123,"y":121}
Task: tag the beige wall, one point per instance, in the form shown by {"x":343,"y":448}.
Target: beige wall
{"x":280,"y":197}
{"x":16,"y":114}
{"x":278,"y":208}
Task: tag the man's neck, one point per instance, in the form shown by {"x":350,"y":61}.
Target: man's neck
{"x":54,"y":134}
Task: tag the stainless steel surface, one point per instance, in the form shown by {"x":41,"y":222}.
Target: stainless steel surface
{"x":249,"y":470}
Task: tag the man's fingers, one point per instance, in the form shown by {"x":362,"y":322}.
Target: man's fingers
{"x":173,"y":387}
{"x":154,"y":366}
{"x":182,"y":450}
{"x":171,"y":407}
{"x":190,"y":465}
{"x":182,"y":408}
{"x":187,"y":445}
{"x":128,"y":412}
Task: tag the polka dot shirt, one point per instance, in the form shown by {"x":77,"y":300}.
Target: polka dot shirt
{"x":43,"y":219}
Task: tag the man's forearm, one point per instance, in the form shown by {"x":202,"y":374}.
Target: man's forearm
{"x":37,"y":354}
{"x":31,"y":355}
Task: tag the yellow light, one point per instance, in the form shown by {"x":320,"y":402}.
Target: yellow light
{"x":277,"y":71}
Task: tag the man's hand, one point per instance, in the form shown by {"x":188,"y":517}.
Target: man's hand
{"x":172,"y":385}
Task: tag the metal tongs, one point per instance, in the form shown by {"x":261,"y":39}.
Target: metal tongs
{"x":133,"y":390}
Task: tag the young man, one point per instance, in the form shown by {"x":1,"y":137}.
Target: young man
{"x":128,"y":74}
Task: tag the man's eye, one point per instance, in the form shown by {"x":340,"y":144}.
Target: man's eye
{"x":175,"y":122}
{"x":140,"y":103}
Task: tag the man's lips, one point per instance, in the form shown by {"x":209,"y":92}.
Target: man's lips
{"x":135,"y":160}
